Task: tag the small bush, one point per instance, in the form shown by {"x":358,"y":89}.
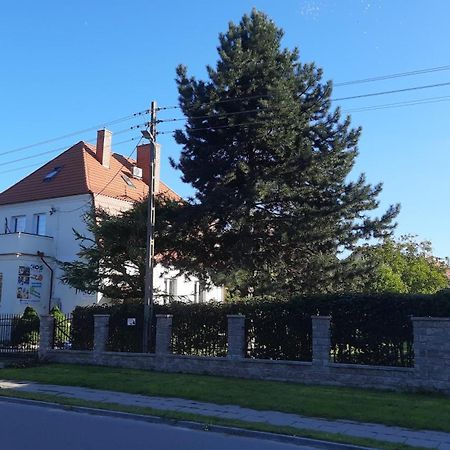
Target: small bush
{"x":25,"y":330}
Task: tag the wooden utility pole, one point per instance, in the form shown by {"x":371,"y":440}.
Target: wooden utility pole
{"x":150,"y":253}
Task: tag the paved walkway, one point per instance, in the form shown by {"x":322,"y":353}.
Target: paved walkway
{"x":428,"y":439}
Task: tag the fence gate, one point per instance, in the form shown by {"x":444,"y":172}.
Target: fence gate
{"x":19,"y":335}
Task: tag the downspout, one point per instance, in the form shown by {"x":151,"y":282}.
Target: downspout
{"x":41,"y":255}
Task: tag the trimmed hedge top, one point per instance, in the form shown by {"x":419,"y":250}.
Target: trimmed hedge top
{"x":365,"y":329}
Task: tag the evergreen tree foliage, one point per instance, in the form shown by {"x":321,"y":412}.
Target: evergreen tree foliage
{"x":112,"y":252}
{"x":269,"y":159}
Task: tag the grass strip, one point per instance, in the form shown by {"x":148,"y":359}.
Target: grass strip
{"x":206,"y":420}
{"x":409,"y":410}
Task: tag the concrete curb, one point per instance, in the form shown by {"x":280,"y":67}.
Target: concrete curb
{"x":190,"y":425}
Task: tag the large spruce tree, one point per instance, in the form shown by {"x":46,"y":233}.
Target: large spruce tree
{"x":269,"y":159}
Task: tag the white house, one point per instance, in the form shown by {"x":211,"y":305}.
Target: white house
{"x":38,"y":215}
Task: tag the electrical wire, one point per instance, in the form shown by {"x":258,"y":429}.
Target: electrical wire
{"x":74,"y":133}
{"x":177,"y":119}
{"x":226,"y":100}
{"x":361,"y":109}
{"x":106,"y":185}
{"x":126,"y":130}
{"x":351,"y":82}
{"x":424,"y":101}
{"x":394,"y":75}
{"x":217,"y":127}
{"x":394,"y":91}
{"x":40,"y":163}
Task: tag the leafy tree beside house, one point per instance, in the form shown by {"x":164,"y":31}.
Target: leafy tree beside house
{"x":403,"y":265}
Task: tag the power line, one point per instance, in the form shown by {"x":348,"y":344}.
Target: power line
{"x":364,"y":108}
{"x":126,"y":130}
{"x":394,"y":91}
{"x":74,"y":133}
{"x":211,"y":116}
{"x":345,"y":83}
{"x":107,"y":184}
{"x":39,"y":163}
{"x":402,"y":104}
{"x":120,"y":168}
{"x":217,"y":127}
{"x":394,"y":75}
{"x":226,"y":100}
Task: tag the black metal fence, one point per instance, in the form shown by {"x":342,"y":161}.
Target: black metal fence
{"x":19,"y":334}
{"x":63,"y":332}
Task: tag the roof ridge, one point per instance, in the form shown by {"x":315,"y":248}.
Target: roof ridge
{"x":41,"y":167}
{"x":81,"y":173}
{"x":87,"y":178}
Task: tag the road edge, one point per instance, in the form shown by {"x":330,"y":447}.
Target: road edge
{"x":236,"y":431}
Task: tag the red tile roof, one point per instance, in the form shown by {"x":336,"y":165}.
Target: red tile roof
{"x":81,"y":173}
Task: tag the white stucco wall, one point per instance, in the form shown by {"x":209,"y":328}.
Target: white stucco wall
{"x":63,"y":215}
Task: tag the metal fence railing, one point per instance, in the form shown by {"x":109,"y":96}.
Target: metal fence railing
{"x":19,"y":333}
{"x":63,"y":332}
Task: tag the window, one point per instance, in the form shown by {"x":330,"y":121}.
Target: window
{"x":128,"y":181}
{"x":1,"y":286}
{"x":18,"y":224}
{"x":39,"y":224}
{"x":52,"y":174}
{"x":170,"y":287}
{"x":199,"y":293}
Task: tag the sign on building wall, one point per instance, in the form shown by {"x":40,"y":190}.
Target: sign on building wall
{"x":29,"y":283}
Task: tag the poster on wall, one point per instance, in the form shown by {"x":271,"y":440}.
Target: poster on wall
{"x":29,"y":283}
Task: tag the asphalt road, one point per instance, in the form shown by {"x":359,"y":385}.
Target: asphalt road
{"x":29,"y":427}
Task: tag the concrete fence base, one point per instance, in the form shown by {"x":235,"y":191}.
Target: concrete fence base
{"x":431,"y":371}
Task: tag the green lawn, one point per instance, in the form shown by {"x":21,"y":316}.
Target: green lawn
{"x":419,"y":411}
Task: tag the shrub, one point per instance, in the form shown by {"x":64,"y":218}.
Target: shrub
{"x":25,"y":330}
{"x":62,"y":329}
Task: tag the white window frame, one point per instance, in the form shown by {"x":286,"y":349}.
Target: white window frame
{"x":199,"y":293}
{"x":170,"y":286}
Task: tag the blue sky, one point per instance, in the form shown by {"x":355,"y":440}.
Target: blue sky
{"x":69,"y":66}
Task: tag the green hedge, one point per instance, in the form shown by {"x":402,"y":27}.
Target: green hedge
{"x":365,"y":329}
{"x":25,"y":329}
{"x":377,"y":329}
{"x":198,"y":329}
{"x":82,"y":328}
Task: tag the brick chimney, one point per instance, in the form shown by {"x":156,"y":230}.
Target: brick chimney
{"x":103,"y":153}
{"x":143,"y":161}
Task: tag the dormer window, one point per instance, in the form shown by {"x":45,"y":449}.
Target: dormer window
{"x":128,"y":180}
{"x":52,"y":174}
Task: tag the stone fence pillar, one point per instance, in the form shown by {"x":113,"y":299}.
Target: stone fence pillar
{"x":46,"y":328}
{"x":101,"y":332}
{"x":321,"y":341}
{"x":432,"y":351}
{"x":163,"y":344}
{"x":236,"y":336}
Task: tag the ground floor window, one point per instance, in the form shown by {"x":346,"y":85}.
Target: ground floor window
{"x":170,"y":287}
{"x":199,"y":293}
